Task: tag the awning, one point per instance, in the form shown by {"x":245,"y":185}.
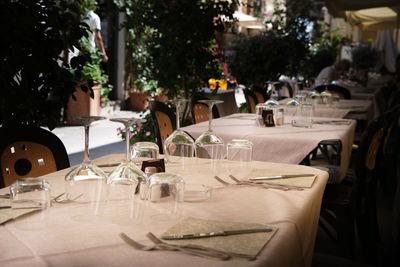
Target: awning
{"x":373,"y":19}
{"x":338,"y":7}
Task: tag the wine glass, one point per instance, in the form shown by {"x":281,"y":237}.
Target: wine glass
{"x":84,"y":183}
{"x":179,"y":144}
{"x":124,"y":183}
{"x":208,"y":144}
{"x":127,"y":172}
{"x":325,"y":96}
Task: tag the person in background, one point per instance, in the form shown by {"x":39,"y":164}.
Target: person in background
{"x":331,"y":73}
{"x":93,"y":20}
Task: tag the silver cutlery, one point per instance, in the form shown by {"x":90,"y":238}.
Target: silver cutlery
{"x":334,"y":122}
{"x":58,"y":199}
{"x":5,"y":195}
{"x":218,"y":233}
{"x":197,"y":248}
{"x":188,"y":249}
{"x":108,"y":165}
{"x":284,"y":176}
{"x":261,"y":185}
{"x":271,"y":185}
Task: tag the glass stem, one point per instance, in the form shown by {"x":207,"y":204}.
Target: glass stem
{"x":177,"y":116}
{"x":86,"y":157}
{"x":210,"y":116}
{"x":127,"y":139}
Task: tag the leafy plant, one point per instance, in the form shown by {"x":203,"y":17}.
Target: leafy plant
{"x":364,"y":56}
{"x":171,"y":36}
{"x":257,"y":59}
{"x":289,"y":21}
{"x":90,"y":68}
{"x":140,"y":132}
{"x":34,"y":81}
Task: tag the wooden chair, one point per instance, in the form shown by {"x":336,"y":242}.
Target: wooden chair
{"x":251,"y":100}
{"x":27,"y":151}
{"x":164,"y":120}
{"x":378,"y":210}
{"x":200,"y":111}
{"x":344,"y":204}
{"x":343,"y":93}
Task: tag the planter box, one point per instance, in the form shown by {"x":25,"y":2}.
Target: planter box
{"x":84,"y":104}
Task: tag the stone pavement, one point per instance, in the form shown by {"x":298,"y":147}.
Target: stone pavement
{"x":103,"y":138}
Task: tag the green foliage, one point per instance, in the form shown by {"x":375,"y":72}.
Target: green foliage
{"x":36,"y":37}
{"x":140,"y":132}
{"x":89,"y":66}
{"x":364,"y":56}
{"x":326,"y":46}
{"x":327,"y":40}
{"x":258,"y":59}
{"x":290,"y":21}
{"x":171,"y":37}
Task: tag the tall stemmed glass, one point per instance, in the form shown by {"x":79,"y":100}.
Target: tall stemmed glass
{"x":127,"y":172}
{"x":86,"y":170}
{"x":208,"y":144}
{"x":84,"y":183}
{"x":179,"y":145}
{"x":122,"y":184}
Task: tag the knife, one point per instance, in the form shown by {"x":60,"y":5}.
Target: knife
{"x":284,"y":176}
{"x":220,"y":233}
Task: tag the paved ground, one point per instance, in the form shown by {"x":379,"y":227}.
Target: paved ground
{"x":103,"y":138}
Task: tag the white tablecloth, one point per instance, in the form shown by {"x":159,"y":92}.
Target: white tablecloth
{"x":283,"y":144}
{"x":67,"y":242}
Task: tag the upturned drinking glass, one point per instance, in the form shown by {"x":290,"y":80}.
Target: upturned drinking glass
{"x":179,"y":145}
{"x":209,"y":144}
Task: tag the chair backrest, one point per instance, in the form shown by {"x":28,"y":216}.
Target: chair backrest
{"x":164,"y":120}
{"x":27,"y":151}
{"x":200,"y":110}
{"x":376,"y":173}
{"x":259,"y":96}
{"x":290,"y":89}
{"x":343,"y":93}
{"x":251,"y":100}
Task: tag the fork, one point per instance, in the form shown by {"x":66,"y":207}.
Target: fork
{"x":251,"y":184}
{"x":272,"y":185}
{"x":63,"y":201}
{"x":189,"y":249}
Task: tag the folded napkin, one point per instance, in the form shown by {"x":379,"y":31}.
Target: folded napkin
{"x":242,"y":244}
{"x":298,"y":181}
{"x":6,"y":214}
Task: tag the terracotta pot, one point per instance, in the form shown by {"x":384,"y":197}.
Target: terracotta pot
{"x":84,"y":104}
{"x":138,"y":100}
{"x":161,"y":98}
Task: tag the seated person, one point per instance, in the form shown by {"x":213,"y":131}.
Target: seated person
{"x":331,"y":73}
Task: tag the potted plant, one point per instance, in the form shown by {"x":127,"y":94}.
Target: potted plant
{"x":34,"y":79}
{"x":92,"y":87}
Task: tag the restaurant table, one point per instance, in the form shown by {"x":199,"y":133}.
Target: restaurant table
{"x":345,"y":108}
{"x":228,"y":96}
{"x":282,"y":144}
{"x":69,"y":242}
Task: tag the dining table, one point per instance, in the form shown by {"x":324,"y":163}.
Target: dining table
{"x":358,"y":109}
{"x":67,"y":241}
{"x":284,"y":143}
